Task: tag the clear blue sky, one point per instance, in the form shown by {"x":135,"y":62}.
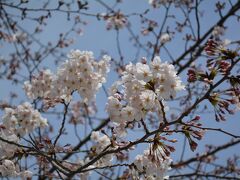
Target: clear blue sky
{"x":95,"y":38}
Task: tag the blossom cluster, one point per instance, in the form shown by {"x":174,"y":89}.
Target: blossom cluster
{"x":23,"y":119}
{"x":142,"y":89}
{"x":40,"y":86}
{"x":9,"y":169}
{"x":116,"y":21}
{"x":101,"y":143}
{"x":16,"y":122}
{"x":6,"y":149}
{"x":151,"y":166}
{"x":80,"y":72}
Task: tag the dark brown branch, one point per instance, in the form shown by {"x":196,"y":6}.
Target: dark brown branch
{"x":203,"y":156}
{"x":180,"y":176}
{"x":63,"y":123}
{"x":231,"y":12}
{"x":85,"y":140}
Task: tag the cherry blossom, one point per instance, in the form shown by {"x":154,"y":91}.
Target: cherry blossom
{"x":40,"y":86}
{"x":101,"y":143}
{"x":149,"y":168}
{"x":165,"y":38}
{"x":116,"y":21}
{"x":6,"y":149}
{"x":142,"y":89}
{"x":80,"y":72}
{"x":23,"y":119}
{"x":7,"y":168}
{"x":218,"y":31}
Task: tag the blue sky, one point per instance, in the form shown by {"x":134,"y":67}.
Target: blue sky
{"x":97,"y":39}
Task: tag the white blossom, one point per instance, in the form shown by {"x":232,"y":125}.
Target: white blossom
{"x":128,"y":113}
{"x":120,"y":130}
{"x":140,"y":91}
{"x":40,"y":86}
{"x":101,"y":142}
{"x":26,"y":174}
{"x":116,"y":21}
{"x":226,"y":42}
{"x":155,"y":65}
{"x":148,"y":98}
{"x":23,"y":119}
{"x":218,"y":31}
{"x":143,"y":72}
{"x":150,"y":168}
{"x":95,"y":135}
{"x":114,"y":107}
{"x":80,"y":72}
{"x":18,"y":37}
{"x":114,"y":88}
{"x":7,"y":149}
{"x":7,"y":168}
{"x":165,"y":38}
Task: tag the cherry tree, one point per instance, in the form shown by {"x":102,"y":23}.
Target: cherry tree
{"x":156,"y":96}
